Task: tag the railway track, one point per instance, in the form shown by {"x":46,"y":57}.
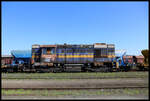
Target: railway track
{"x":79,"y":88}
{"x":75,"y":78}
{"x":75,"y":71}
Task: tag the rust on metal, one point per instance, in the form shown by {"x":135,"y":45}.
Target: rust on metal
{"x":47,"y":45}
{"x":140,"y":57}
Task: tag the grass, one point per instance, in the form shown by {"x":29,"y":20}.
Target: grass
{"x":60,"y":93}
{"x":73,"y":75}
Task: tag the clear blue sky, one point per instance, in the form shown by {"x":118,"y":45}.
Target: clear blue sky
{"x":124,"y":24}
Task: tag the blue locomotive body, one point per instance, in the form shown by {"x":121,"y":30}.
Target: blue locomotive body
{"x":94,"y":55}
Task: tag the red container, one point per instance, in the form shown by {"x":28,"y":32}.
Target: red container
{"x":128,"y":59}
{"x":140,"y":59}
{"x":7,"y":59}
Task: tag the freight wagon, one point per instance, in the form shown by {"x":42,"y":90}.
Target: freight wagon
{"x":6,"y":62}
{"x":93,"y":57}
{"x":6,"y":59}
{"x":134,"y":62}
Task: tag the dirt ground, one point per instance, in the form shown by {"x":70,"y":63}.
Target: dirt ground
{"x":85,"y":98}
{"x":79,"y":97}
{"x":78,"y":83}
{"x":75,"y":83}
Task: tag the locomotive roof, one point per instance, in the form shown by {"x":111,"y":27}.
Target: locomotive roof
{"x":74,"y":45}
{"x":47,"y":45}
{"x":69,"y":45}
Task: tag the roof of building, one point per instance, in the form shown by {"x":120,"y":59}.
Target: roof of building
{"x":7,"y":56}
{"x":21,"y":53}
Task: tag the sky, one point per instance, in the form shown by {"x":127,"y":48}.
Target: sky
{"x":124,"y":24}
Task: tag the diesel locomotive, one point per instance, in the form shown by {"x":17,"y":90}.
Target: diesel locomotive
{"x":58,"y":58}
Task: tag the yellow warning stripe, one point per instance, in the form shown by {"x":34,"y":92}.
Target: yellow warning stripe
{"x":75,"y":56}
{"x":74,"y":53}
{"x":33,"y":56}
{"x":111,"y":56}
